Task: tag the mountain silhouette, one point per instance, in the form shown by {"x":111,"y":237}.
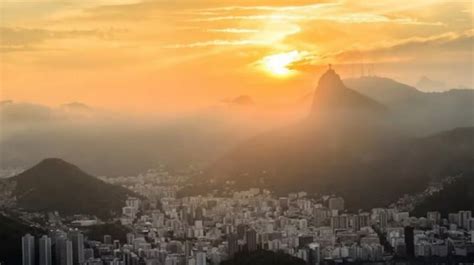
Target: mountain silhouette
{"x":348,"y":145}
{"x":417,"y":112}
{"x":55,"y":185}
{"x":242,"y":100}
{"x":454,"y":197}
{"x":333,"y":98}
{"x":455,"y":145}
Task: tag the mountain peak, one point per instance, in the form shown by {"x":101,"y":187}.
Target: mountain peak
{"x":333,"y":96}
{"x":53,"y":161}
{"x":242,"y":100}
{"x":330,"y":79}
{"x":50,"y":185}
{"x":56,"y":164}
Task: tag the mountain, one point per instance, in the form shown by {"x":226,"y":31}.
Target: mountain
{"x":78,"y":110}
{"x":55,"y":185}
{"x":77,"y":106}
{"x":418,"y":112}
{"x":384,"y":90}
{"x":428,"y":84}
{"x":242,"y":100}
{"x":458,"y":195}
{"x":348,"y":145}
{"x":334,"y":98}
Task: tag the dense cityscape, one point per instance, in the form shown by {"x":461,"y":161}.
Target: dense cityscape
{"x":164,"y":229}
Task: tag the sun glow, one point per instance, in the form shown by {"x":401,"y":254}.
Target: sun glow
{"x":278,"y":64}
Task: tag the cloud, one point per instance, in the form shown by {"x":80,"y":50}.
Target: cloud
{"x":234,"y":30}
{"x":274,"y":17}
{"x":218,"y":43}
{"x":272,"y":7}
{"x":415,"y":48}
{"x":267,"y":36}
{"x":21,"y":39}
{"x":28,"y":112}
{"x":374,"y":18}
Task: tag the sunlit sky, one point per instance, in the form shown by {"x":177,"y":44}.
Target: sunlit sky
{"x":174,"y":55}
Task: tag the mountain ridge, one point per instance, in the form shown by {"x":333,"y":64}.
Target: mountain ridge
{"x":417,"y":112}
{"x":348,"y":155}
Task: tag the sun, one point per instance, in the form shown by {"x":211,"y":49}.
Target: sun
{"x":278,"y":64}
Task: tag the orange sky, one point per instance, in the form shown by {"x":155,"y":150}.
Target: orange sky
{"x":160,"y":55}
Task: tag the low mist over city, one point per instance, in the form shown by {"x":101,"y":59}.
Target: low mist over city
{"x":236,"y":132}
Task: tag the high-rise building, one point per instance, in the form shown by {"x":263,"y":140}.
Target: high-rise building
{"x":304,"y":241}
{"x":108,"y":239}
{"x":241,"y":228}
{"x":28,"y":249}
{"x":251,"y":238}
{"x":383,"y":219}
{"x":336,"y":203}
{"x":116,"y":244}
{"x":434,"y":217}
{"x":65,"y":251}
{"x":340,"y":221}
{"x":45,"y":250}
{"x":409,"y":241}
{"x":355,"y":223}
{"x":232,"y":245}
{"x":314,"y":255}
{"x":133,"y":202}
{"x":130,"y":238}
{"x":464,"y":217}
{"x":88,"y":254}
{"x":198,"y":213}
{"x":320,"y":215}
{"x":201,"y":258}
{"x":188,"y":245}
{"x":77,"y":239}
{"x":454,"y":219}
{"x":364,"y":219}
{"x":55,"y":236}
{"x":284,"y":203}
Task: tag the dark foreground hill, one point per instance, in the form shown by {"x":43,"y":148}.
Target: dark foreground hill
{"x":55,"y":185}
{"x":455,"y":197}
{"x":349,"y":145}
{"x":264,"y":258}
{"x":11,"y":231}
